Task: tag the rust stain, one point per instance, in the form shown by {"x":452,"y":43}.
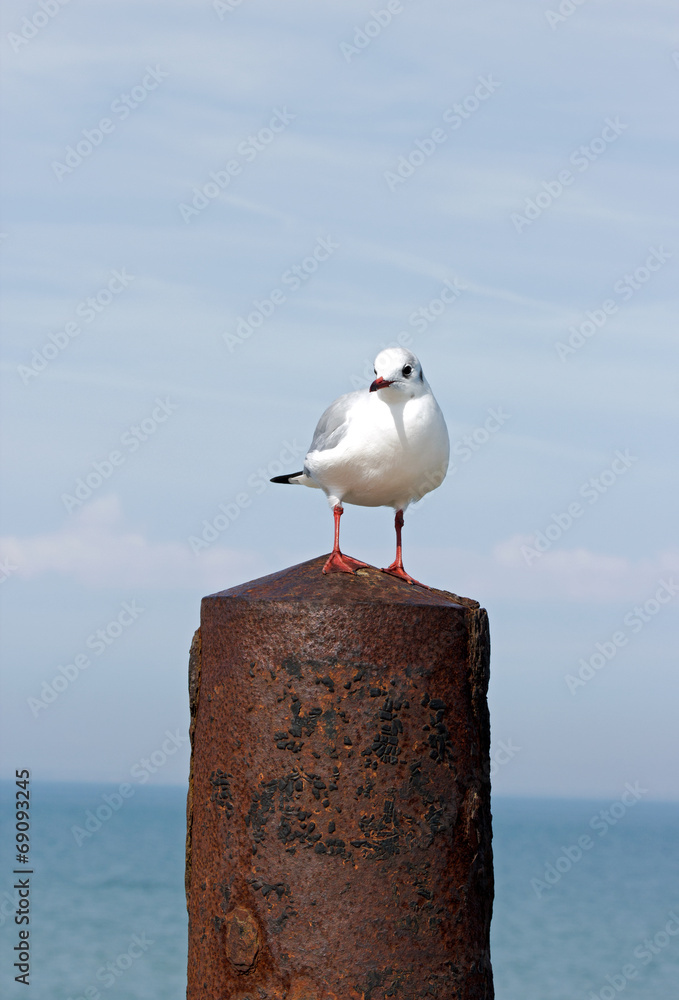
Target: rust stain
{"x":194,"y":688}
{"x":242,"y":939}
{"x":304,"y":989}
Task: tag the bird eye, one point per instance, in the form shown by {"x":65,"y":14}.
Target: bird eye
{"x":407,"y":369}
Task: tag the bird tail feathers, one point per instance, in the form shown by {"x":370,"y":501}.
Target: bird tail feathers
{"x":295,"y":479}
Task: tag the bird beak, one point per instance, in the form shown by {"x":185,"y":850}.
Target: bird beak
{"x":379,"y":383}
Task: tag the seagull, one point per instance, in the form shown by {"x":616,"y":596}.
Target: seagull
{"x":385,"y":446}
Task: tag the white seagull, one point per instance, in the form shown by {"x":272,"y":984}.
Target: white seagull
{"x":382,"y":447}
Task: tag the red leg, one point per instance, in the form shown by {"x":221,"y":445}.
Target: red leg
{"x":396,"y":568}
{"x":338,"y":563}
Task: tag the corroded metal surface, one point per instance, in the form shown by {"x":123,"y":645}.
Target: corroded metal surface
{"x":339,"y":814}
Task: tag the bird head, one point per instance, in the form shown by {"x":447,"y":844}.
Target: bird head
{"x":398,"y":373}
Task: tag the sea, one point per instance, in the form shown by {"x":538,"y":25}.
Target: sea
{"x":586,"y":905}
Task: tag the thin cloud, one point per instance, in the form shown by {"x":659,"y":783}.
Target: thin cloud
{"x":577,"y":574}
{"x":96,"y":548}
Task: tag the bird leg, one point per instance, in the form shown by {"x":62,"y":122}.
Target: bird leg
{"x":337,"y":562}
{"x":396,"y":568}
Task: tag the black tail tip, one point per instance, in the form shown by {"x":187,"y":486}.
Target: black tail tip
{"x":286,"y":479}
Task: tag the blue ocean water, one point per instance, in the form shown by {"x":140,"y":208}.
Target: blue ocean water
{"x":90,"y":901}
{"x":563,"y":941}
{"x":108,"y":920}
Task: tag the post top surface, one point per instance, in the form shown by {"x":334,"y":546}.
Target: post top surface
{"x":307,"y":582}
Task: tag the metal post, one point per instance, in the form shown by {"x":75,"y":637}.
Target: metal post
{"x":339,"y":828}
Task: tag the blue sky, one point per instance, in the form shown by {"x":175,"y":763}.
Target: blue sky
{"x":537,"y":159}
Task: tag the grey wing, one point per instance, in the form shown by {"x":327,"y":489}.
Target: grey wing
{"x":332,"y":426}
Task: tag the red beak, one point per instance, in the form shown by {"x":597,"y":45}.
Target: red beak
{"x":379,"y":383}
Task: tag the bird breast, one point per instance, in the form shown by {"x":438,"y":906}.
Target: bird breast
{"x":390,"y":455}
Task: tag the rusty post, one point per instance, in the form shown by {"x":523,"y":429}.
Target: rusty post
{"x":339,"y":834}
